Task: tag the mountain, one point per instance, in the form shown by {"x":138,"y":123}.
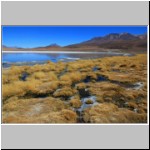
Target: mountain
{"x":48,"y":47}
{"x":143,"y":36}
{"x":4,"y":46}
{"x":114,"y":41}
{"x":54,"y":45}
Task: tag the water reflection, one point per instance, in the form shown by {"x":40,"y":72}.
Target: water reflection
{"x":39,"y":58}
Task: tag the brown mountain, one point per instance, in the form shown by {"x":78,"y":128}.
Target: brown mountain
{"x":115,"y":41}
{"x":46,"y":48}
{"x":51,"y":46}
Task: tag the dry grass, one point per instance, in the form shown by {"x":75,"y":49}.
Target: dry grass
{"x":71,"y":78}
{"x":81,"y":86}
{"x":23,"y":102}
{"x":19,"y":88}
{"x":89,"y":101}
{"x":39,"y":75}
{"x":113,"y":93}
{"x":109,"y":113}
{"x":47,"y":88}
{"x":65,"y":92}
{"x":75,"y":102}
{"x":48,"y":110}
{"x":14,"y":89}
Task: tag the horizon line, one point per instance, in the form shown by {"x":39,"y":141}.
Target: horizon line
{"x":43,"y":46}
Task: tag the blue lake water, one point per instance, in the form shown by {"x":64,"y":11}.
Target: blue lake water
{"x":29,"y":57}
{"x":24,"y":58}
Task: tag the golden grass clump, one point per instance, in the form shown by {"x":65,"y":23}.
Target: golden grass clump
{"x":39,"y":75}
{"x":75,"y":102}
{"x":65,"y":92}
{"x":132,"y":105}
{"x":60,"y":66}
{"x":30,"y":87}
{"x":89,"y":101}
{"x":47,"y":88}
{"x":65,"y":80}
{"x":49,"y":66}
{"x":46,"y":110}
{"x":71,"y":78}
{"x":110,"y":113}
{"x":75,"y":77}
{"x":79,"y":65}
{"x":20,"y":88}
{"x":87,"y":69}
{"x":9,"y":78}
{"x":43,"y":76}
{"x":113,"y":93}
{"x":81,"y":86}
{"x":105,"y":91}
{"x":118,"y":66}
{"x":14,"y":89}
{"x":121,"y":77}
{"x":142,"y":105}
{"x":15,"y":70}
{"x":69,"y":115}
{"x":50,"y":76}
{"x":92,"y":75}
{"x":33,"y":69}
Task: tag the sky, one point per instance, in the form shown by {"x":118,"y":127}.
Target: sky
{"x":34,"y":36}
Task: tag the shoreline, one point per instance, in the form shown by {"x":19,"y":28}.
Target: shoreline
{"x":72,"y":56}
{"x":70,"y":52}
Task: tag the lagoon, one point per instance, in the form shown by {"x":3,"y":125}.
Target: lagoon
{"x":32,"y":58}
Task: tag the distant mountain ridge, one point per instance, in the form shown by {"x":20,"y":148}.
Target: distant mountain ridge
{"x":109,"y":41}
{"x":115,"y":40}
{"x":54,"y":45}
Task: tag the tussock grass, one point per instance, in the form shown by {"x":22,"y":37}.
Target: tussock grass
{"x":47,"y":88}
{"x":39,"y":98}
{"x":109,"y":113}
{"x":14,"y":89}
{"x":48,"y":110}
{"x":113,"y":93}
{"x":75,"y":102}
{"x":71,"y":78}
{"x":19,"y":88}
{"x":65,"y":92}
{"x":81,"y":86}
{"x":89,"y":101}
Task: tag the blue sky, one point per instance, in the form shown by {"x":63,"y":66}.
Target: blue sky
{"x":34,"y":36}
